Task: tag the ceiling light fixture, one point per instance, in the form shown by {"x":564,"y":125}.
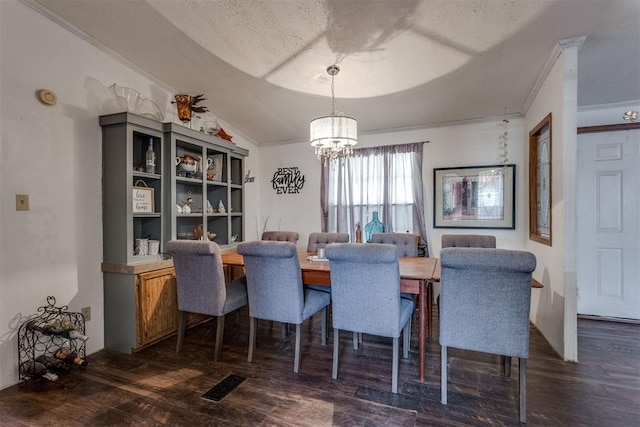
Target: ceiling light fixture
{"x":333,"y":136}
{"x":631,"y":116}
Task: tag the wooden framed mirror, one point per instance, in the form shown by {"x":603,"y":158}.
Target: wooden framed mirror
{"x":540,"y":179}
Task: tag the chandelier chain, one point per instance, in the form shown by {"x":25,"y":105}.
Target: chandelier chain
{"x":333,"y":96}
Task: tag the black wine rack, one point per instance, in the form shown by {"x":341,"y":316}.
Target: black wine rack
{"x":37,"y":337}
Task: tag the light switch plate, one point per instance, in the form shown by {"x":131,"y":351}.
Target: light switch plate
{"x":22,"y":202}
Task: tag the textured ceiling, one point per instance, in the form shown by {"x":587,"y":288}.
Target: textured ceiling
{"x":404,"y":64}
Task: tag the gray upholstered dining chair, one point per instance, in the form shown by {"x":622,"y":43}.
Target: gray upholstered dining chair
{"x":365,"y":283}
{"x":274,"y":285}
{"x":484,"y":306}
{"x":468,"y":241}
{"x":407,"y":243}
{"x":281,"y":236}
{"x":201,"y":286}
{"x":321,"y":240}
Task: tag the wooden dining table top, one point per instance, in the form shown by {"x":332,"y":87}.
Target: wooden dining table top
{"x":411,"y":268}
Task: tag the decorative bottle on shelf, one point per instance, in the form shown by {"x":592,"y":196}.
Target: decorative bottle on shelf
{"x":375,"y":226}
{"x":358,"y":233}
{"x":150,"y":165}
{"x":70,"y":356}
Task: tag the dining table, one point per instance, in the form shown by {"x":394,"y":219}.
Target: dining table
{"x":416,"y":277}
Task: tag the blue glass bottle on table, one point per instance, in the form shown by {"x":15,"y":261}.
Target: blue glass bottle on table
{"x":375,"y":226}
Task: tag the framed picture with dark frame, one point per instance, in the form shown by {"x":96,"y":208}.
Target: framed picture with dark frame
{"x":475,"y":197}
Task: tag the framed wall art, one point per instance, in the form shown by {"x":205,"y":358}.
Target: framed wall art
{"x":540,"y":182}
{"x":475,"y":197}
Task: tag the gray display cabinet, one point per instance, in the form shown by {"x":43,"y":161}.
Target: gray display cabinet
{"x":125,"y":140}
{"x":222,"y":181}
{"x":140,"y":298}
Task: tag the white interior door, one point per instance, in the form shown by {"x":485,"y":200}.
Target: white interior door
{"x":608,"y":250}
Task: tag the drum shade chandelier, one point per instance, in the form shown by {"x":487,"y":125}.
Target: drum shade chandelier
{"x":333,"y":136}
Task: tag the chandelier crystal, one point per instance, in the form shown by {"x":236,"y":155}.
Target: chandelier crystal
{"x":333,"y":136}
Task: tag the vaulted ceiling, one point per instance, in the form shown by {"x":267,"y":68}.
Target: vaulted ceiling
{"x":404,"y":63}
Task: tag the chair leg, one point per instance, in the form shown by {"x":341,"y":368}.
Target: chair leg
{"x":506,"y":365}
{"x":324,"y":326}
{"x":336,"y":345}
{"x":523,"y":390}
{"x":430,"y":309}
{"x":406,"y":339}
{"x":443,"y":375}
{"x":219,"y":335}
{"x":296,"y":361}
{"x":356,"y":340}
{"x":394,"y":374}
{"x":182,"y":325}
{"x":284,"y":327}
{"x":252,"y":337}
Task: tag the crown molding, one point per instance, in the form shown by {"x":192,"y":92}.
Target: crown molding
{"x":558,"y":48}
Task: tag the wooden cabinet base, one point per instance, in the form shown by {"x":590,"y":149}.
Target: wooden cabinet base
{"x":141,"y":309}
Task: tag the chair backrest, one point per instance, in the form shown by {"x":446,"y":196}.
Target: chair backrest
{"x":199,"y":276}
{"x":281,"y":236}
{"x":274,"y":280}
{"x":406,"y":243}
{"x":468,"y":241}
{"x":485,"y":300}
{"x":320,"y":240}
{"x":365,"y":288}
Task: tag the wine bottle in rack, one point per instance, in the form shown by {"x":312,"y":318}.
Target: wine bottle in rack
{"x":71,"y":357}
{"x":52,"y":363}
{"x":64,"y":328}
{"x":37,"y":369}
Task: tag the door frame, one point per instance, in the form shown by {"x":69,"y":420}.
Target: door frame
{"x":606,"y":128}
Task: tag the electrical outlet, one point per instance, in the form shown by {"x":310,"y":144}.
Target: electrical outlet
{"x":22,"y":202}
{"x":86,"y":312}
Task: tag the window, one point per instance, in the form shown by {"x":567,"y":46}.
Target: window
{"x":540,"y":182}
{"x":385,"y":179}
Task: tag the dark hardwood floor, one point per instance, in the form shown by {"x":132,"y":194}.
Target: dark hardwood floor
{"x":158,"y":386}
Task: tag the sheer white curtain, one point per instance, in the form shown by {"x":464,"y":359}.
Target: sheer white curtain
{"x":386,"y":179}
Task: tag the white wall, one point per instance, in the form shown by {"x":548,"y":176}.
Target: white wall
{"x":463,"y":145}
{"x":53,"y":154}
{"x":556,"y":96}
